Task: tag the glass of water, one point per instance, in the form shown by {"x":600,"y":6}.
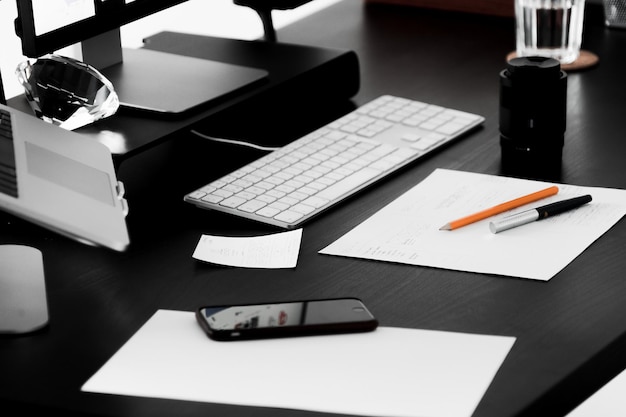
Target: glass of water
{"x":549,"y":28}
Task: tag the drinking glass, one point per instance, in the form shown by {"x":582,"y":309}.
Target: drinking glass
{"x":549,"y":28}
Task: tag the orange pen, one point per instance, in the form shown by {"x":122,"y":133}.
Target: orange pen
{"x":500,"y":208}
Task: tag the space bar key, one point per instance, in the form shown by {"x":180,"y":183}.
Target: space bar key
{"x":348,"y":184}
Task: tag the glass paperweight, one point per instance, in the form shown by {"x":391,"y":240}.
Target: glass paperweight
{"x":66,"y":92}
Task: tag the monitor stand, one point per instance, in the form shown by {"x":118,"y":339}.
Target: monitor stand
{"x":298,"y":75}
{"x":166,"y":83}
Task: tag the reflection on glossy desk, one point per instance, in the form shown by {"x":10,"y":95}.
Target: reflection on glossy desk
{"x":571,"y":335}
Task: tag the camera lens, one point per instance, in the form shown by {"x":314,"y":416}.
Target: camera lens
{"x":533,"y":95}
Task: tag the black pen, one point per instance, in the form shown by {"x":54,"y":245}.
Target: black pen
{"x":538,"y":213}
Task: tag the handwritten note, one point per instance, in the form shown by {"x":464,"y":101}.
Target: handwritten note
{"x":407,"y":230}
{"x":278,"y":250}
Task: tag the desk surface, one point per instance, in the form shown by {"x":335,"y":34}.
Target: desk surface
{"x":571,"y":332}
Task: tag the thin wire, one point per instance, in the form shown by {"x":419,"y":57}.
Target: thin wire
{"x":235,"y":142}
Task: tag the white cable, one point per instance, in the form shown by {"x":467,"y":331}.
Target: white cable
{"x":235,"y":142}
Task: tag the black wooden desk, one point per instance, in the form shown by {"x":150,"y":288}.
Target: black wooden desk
{"x":571,"y":332}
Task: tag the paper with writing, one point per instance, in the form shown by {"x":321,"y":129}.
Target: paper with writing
{"x":279,"y":250}
{"x":407,"y":229}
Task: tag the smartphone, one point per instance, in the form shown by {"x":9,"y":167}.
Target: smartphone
{"x":285,"y":319}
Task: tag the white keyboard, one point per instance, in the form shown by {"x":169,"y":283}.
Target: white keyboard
{"x":298,"y":181}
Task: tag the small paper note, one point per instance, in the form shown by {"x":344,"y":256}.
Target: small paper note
{"x":278,"y":250}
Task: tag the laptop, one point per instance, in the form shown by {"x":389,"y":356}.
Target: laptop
{"x":60,"y":180}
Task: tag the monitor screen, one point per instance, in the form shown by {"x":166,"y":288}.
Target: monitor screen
{"x":52,"y":15}
{"x":143,"y":79}
{"x":46,"y":26}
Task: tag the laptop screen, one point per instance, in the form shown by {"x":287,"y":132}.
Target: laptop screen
{"x":67,"y":182}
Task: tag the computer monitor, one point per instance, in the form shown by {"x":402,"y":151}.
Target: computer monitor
{"x":143,"y":79}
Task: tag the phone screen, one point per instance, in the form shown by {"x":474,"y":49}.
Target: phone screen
{"x":286,"y":319}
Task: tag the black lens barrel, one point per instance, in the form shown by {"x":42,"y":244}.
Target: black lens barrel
{"x":533,"y":111}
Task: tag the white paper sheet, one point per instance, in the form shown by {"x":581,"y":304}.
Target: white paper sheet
{"x":608,"y":401}
{"x":407,"y":229}
{"x":389,"y":372}
{"x":279,"y":250}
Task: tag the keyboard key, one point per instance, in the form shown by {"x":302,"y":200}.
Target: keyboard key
{"x":211,"y":198}
{"x":268,"y":212}
{"x":197,"y":195}
{"x":316,"y":201}
{"x":233,"y":202}
{"x":450,"y":128}
{"x":347,"y":184}
{"x":251,"y":206}
{"x":289,"y":216}
{"x":303,"y":208}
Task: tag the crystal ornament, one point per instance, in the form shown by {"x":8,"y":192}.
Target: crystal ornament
{"x":66,"y":92}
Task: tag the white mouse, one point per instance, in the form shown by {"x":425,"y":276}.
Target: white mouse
{"x":23,"y":303}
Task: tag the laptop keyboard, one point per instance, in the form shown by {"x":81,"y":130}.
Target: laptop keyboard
{"x":8,"y":176}
{"x":293,"y":184}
